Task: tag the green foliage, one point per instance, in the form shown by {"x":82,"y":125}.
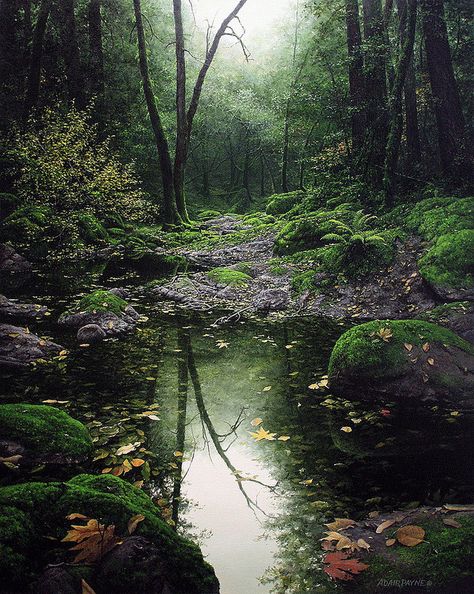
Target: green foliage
{"x":90,"y":229}
{"x":101,"y":301}
{"x":304,"y":281}
{"x":279,"y":204}
{"x":229,"y":277}
{"x":433,"y":217}
{"x":303,"y":233}
{"x":44,"y":429}
{"x":363,"y":351}
{"x":450,"y":262}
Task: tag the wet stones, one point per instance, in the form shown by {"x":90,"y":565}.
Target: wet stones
{"x":15,"y":310}
{"x":19,"y":347}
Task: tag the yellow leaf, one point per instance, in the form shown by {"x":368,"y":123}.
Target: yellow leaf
{"x":267,"y":389}
{"x":263,"y":434}
{"x":63,"y":353}
{"x":431,"y":361}
{"x":313,"y":386}
{"x":340,"y":524}
{"x":256,"y":422}
{"x":408,"y":346}
{"x":346,"y":429}
{"x":384,"y":525}
{"x":106,"y":470}
{"x":390,"y":542}
{"x":178,"y":454}
{"x":385,"y":334}
{"x":137,"y":462}
{"x":410,"y":535}
{"x":361,"y":543}
{"x":426,"y":347}
{"x":133,"y":523}
{"x":284,"y":438}
{"x":126,"y":449}
{"x":77,"y":517}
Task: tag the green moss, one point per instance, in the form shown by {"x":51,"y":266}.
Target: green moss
{"x":90,"y":228}
{"x":438,"y":216}
{"x":304,"y":281}
{"x":279,"y":204}
{"x":44,"y":429}
{"x":27,"y":223}
{"x":445,"y":557}
{"x":442,"y":313}
{"x":364,"y":352}
{"x":229,"y":277}
{"x":39,"y":510}
{"x":101,"y":301}
{"x":302,"y":234}
{"x":450,"y":262}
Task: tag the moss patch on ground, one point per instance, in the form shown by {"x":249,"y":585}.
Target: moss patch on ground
{"x":44,"y":430}
{"x":229,"y":277}
{"x":102,"y":301}
{"x":364,"y":352}
{"x":32,"y":512}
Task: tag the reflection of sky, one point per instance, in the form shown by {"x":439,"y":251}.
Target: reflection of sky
{"x":234,"y":549}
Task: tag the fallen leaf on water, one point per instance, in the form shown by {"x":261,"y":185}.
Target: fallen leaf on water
{"x":340,"y":567}
{"x":133,"y":523}
{"x":346,"y":429}
{"x":267,"y":389}
{"x":410,"y":535}
{"x":340,"y":524}
{"x":256,"y":422}
{"x":284,"y":438}
{"x":384,"y":525}
{"x":431,"y":361}
{"x":263,"y":434}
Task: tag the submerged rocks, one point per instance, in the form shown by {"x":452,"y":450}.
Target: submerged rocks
{"x":13,"y":309}
{"x":104,"y":310}
{"x":19,"y":347}
{"x":32,"y":511}
{"x":402,"y":360}
{"x":36,"y":434}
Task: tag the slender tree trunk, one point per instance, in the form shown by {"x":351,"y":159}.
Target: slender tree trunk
{"x":34,"y":73}
{"x":407,"y":34}
{"x":356,"y":74}
{"x":455,"y":158}
{"x":170,"y":214}
{"x":262,"y":177}
{"x":246,"y":177}
{"x":411,"y":118}
{"x":182,"y":137}
{"x":270,"y":173}
{"x":286,"y":149}
{"x":96,"y":53}
{"x":376,"y":88}
{"x":70,"y":53}
{"x":303,"y":156}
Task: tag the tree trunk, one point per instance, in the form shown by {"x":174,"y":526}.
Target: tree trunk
{"x":182,"y":142}
{"x":11,"y":55}
{"x":246,"y":178}
{"x":356,"y":74}
{"x":170,"y":214}
{"x":411,"y":118}
{"x":407,"y":35}
{"x":285,"y":188}
{"x":34,"y":73}
{"x":453,"y":149}
{"x":96,"y":53}
{"x":376,"y":88}
{"x":70,"y":53}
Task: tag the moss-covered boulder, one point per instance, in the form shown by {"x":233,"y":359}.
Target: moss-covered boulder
{"x":442,"y":562}
{"x":36,"y":434}
{"x":105,"y":309}
{"x":302,"y":234}
{"x":33,"y":522}
{"x":279,"y":204}
{"x":19,"y":347}
{"x":449,"y":265}
{"x":229,"y":277}
{"x":403,"y":360}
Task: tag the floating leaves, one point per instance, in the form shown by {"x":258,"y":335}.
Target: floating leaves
{"x":346,"y":429}
{"x":262,"y":434}
{"x":256,"y":422}
{"x":323,"y":383}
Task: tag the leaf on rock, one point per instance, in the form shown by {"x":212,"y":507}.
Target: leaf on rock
{"x":408,"y":346}
{"x":93,"y":540}
{"x":86,"y":589}
{"x":410,"y":535}
{"x":385,"y":334}
{"x":384,"y":525}
{"x":340,"y":567}
{"x":362,"y":544}
{"x":133,"y":523}
{"x":452,"y":522}
{"x":284,"y":438}
{"x":340,"y":524}
{"x":390,"y":542}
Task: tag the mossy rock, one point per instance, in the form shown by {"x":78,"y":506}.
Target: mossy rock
{"x":27,"y":223}
{"x":152,"y":262}
{"x":458,"y":316}
{"x":44,"y":429}
{"x":449,"y":265}
{"x":102,"y":301}
{"x":403,"y":360}
{"x":301,"y":234}
{"x":443,"y":562}
{"x":434,"y":217}
{"x":229,"y":277}
{"x":91,"y":229}
{"x":279,"y":204}
{"x":33,"y":521}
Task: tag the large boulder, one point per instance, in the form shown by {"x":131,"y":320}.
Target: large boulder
{"x":35,"y":434}
{"x":19,"y":347}
{"x":33,"y":521}
{"x":104,"y":309}
{"x":15,"y":310}
{"x":403,"y":360}
{"x":457,"y":316}
{"x":11,"y":262}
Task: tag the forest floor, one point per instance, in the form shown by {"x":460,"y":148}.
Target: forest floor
{"x":262,"y":283}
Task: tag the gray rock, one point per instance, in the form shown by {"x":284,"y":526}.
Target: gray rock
{"x":14,"y":310}
{"x":18,"y":347}
{"x":58,"y":580}
{"x":271,"y":300}
{"x":11,"y":262}
{"x":90,"y":333}
{"x":110,"y":323}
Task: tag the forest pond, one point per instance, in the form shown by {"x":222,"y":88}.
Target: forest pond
{"x":232,"y":430}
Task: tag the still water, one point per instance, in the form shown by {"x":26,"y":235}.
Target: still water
{"x":189,"y":396}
